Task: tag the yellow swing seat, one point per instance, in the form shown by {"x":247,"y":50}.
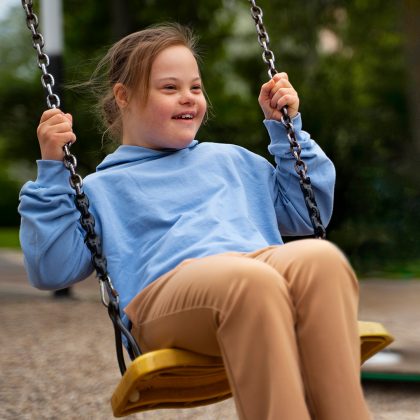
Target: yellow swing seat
{"x":373,"y":338}
{"x":174,"y":378}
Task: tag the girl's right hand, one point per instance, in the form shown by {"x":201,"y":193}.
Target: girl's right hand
{"x":54,"y":131}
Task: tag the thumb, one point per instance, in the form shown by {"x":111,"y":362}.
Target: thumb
{"x":282,"y":75}
{"x":266,"y":88}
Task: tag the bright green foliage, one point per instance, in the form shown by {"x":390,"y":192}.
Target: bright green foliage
{"x":9,"y":238}
{"x":345,"y":58}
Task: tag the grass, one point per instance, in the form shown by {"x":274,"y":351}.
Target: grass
{"x":9,"y":237}
{"x":397,"y":270}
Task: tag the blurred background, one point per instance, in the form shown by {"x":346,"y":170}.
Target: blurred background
{"x":355,"y":64}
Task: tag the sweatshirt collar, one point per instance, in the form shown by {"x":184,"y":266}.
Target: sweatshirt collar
{"x":126,"y":154}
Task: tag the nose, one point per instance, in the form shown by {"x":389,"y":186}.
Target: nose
{"x":187,"y":97}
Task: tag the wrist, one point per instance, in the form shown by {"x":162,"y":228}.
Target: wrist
{"x":52,"y":154}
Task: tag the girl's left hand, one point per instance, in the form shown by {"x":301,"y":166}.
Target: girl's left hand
{"x":276,"y":94}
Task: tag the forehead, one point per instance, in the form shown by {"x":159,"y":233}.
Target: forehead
{"x":175,"y":60}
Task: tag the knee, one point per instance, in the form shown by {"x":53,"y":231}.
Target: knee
{"x":328,"y":262}
{"x":258,"y":282}
{"x":317,"y":262}
{"x":322,"y":253}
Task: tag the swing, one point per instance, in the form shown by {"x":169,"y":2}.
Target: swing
{"x":175,"y":378}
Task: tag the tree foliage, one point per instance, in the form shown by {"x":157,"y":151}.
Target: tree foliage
{"x":346,"y":59}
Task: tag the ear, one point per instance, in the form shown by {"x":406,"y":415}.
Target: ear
{"x":121,"y":95}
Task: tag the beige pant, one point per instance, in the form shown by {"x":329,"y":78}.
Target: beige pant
{"x":284,"y":319}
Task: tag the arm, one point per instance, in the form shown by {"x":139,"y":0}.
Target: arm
{"x":50,"y":234}
{"x":292,"y":214}
{"x":290,"y":206}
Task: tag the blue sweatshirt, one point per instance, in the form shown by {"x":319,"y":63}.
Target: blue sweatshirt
{"x":153,"y":209}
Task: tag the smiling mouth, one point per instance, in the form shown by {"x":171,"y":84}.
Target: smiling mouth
{"x":186,"y":116}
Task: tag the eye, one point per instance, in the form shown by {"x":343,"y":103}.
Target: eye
{"x":196,"y":87}
{"x":169,"y":87}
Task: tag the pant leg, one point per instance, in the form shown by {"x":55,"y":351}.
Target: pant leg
{"x":238,"y":308}
{"x":324,"y":291}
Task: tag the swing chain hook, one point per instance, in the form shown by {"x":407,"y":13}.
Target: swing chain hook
{"x":295,"y":148}
{"x":108,"y":293}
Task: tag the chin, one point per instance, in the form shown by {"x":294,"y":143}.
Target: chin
{"x":179,"y":143}
{"x":182,"y":144}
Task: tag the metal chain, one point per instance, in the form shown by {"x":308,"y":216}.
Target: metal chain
{"x":295,"y":148}
{"x":82,"y":203}
{"x":109,"y":295}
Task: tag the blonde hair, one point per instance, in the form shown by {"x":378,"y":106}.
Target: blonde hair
{"x":129,"y":61}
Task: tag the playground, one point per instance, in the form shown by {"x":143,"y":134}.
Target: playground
{"x":57,"y":365}
{"x":57,"y":354}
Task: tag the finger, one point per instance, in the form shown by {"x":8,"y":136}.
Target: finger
{"x":62,"y":127}
{"x":70,"y":117}
{"x":280,"y":84}
{"x":266,"y":88}
{"x":60,"y":138}
{"x":47,"y":129}
{"x":50,"y":113}
{"x":289,"y":92}
{"x":279,"y":76}
{"x":55,"y":115}
{"x":63,"y":138}
{"x":57,"y":119}
{"x":285,"y":100}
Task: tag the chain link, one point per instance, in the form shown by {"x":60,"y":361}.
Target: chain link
{"x":295,"y":148}
{"x":87,"y":220}
{"x":47,"y":80}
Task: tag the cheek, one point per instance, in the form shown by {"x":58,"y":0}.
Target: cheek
{"x":159,"y":109}
{"x":203,"y":106}
{"x":160,"y":106}
{"x":163,"y":110}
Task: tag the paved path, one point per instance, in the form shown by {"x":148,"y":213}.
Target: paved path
{"x":56,"y":365}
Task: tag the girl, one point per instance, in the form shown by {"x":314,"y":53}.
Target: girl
{"x":192,"y":234}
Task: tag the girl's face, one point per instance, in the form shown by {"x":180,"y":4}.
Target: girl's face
{"x":175,"y":107}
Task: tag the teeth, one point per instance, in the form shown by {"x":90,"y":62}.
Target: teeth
{"x":184,"y":117}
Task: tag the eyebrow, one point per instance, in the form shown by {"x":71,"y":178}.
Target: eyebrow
{"x":176,"y":79}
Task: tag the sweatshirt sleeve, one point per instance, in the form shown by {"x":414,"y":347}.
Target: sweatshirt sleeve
{"x":50,"y":234}
{"x":292,"y":214}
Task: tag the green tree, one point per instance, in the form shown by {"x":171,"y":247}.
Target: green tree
{"x":347,"y":59}
{"x":19,"y":100}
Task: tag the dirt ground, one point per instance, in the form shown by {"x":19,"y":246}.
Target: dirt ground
{"x":57,"y":357}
